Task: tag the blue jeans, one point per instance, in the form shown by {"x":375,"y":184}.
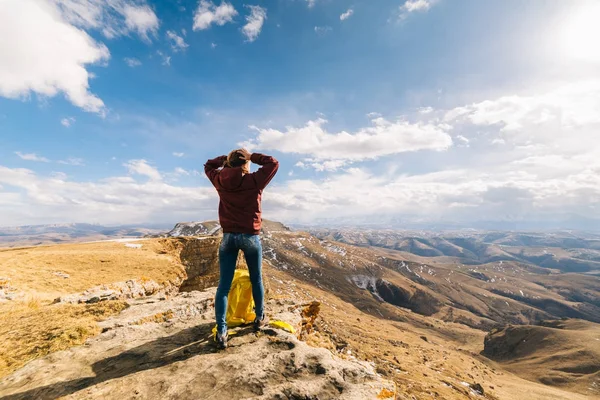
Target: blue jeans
{"x":228,"y":253}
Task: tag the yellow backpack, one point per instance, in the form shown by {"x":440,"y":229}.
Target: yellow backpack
{"x":240,"y":304}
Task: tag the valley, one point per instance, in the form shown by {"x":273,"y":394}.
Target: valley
{"x":449,"y":318}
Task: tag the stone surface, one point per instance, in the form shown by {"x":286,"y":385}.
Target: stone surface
{"x":200,"y":257}
{"x":177,"y":359}
{"x":8,"y":292}
{"x":131,"y":289}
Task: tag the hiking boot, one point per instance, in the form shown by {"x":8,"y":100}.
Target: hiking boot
{"x":221,"y":340}
{"x":261,"y":323}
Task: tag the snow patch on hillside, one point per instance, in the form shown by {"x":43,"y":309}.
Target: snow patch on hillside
{"x":366,"y":283}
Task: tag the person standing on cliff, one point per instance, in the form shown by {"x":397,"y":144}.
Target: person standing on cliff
{"x":240,"y":211}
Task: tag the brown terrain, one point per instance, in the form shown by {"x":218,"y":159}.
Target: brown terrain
{"x":133,"y":320}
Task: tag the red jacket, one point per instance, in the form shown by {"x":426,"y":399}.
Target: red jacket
{"x":240,"y":195}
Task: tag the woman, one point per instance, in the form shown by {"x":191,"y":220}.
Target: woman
{"x":240,"y":217}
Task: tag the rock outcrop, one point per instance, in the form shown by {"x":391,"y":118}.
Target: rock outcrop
{"x":200,"y":258}
{"x":184,"y":229}
{"x":164,"y":349}
{"x":129,"y":289}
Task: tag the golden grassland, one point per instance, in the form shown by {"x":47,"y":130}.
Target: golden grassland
{"x":34,"y":269}
{"x":31,"y":329}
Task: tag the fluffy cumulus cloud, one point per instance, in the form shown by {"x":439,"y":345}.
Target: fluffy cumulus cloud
{"x":50,"y":56}
{"x":54,"y":49}
{"x":347,"y":14}
{"x":177,"y":42}
{"x":140,"y":19}
{"x":254,"y":22}
{"x":382,"y":138}
{"x":208,"y":13}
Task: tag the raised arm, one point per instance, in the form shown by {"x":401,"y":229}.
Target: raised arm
{"x":267,"y":171}
{"x":211,"y":167}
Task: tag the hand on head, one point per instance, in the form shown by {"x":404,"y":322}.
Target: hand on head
{"x":244,"y":154}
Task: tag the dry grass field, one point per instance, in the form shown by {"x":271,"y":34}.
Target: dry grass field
{"x":38,"y":271}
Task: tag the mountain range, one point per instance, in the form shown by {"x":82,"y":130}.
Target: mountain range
{"x":453,"y":315}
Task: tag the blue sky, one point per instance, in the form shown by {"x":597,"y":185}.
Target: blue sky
{"x":424,"y":110}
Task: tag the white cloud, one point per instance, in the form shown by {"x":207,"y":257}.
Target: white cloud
{"x":311,"y":3}
{"x":67,"y":122}
{"x":72,"y":161}
{"x":53,"y":49}
{"x":463,"y":195}
{"x":178,"y":154}
{"x":347,"y":14}
{"x":132,"y":62}
{"x":181,"y":171}
{"x":141,"y":19}
{"x":61,"y":176}
{"x":208,"y":13}
{"x":31,"y":198}
{"x":317,"y":165}
{"x":322,"y":30}
{"x":177,"y":42}
{"x":141,"y":167}
{"x":49,"y":57}
{"x":411,"y":6}
{"x":31,"y":157}
{"x":166,"y":60}
{"x":464,"y":140}
{"x":547,"y":167}
{"x":565,"y":117}
{"x":254,"y":22}
{"x":417,"y":5}
{"x":381,"y":139}
{"x":112,"y":17}
{"x":213,"y":45}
